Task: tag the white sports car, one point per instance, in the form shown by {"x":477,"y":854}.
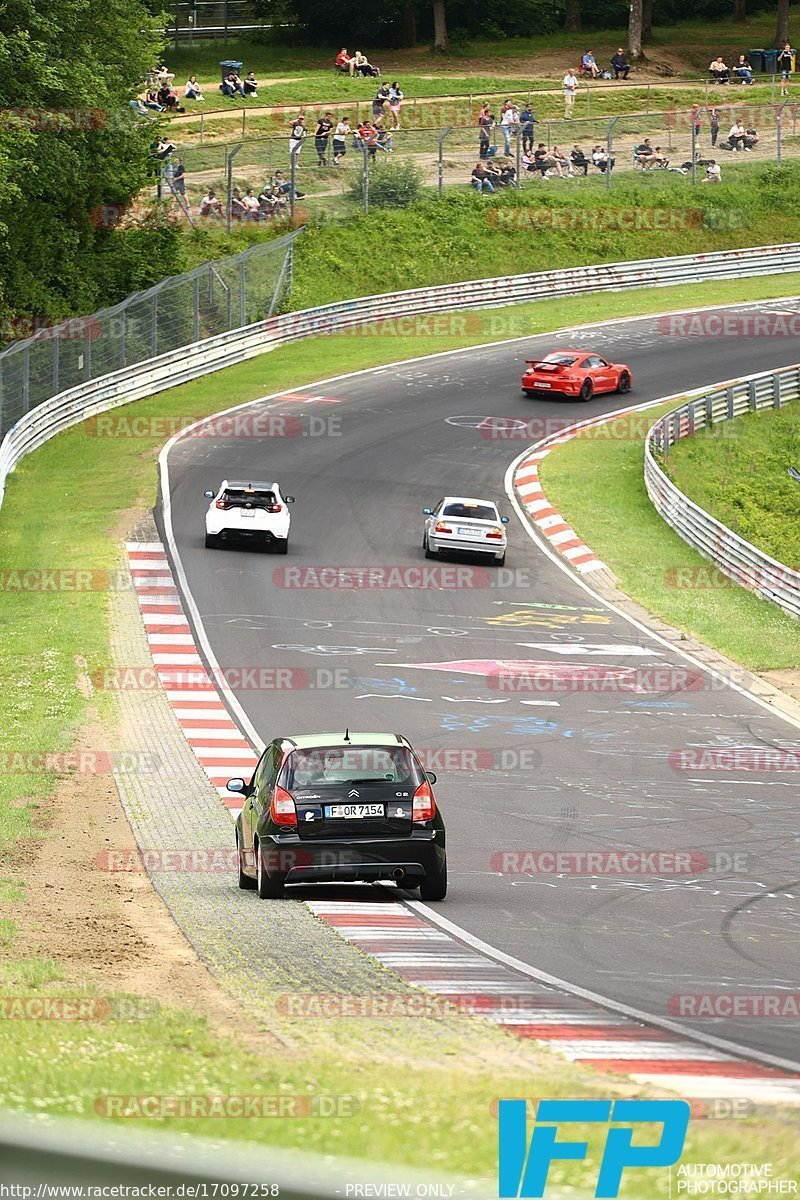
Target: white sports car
{"x":255,"y":512}
{"x":466,"y":524}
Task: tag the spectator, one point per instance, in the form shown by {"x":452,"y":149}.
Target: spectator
{"x":344,"y":62}
{"x":210,"y":206}
{"x":268,"y":201}
{"x":251,"y":205}
{"x":785,"y":60}
{"x":340,"y":140}
{"x":502,"y":174}
{"x":363,"y":66}
{"x":163,"y":76}
{"x":164,"y":148}
{"x":744,"y":70}
{"x":485,"y":127}
{"x":238,"y":206}
{"x":570,"y":86}
{"x":283,"y":185}
{"x":383,"y":138}
{"x":297,"y":135}
{"x":601,"y":160}
{"x":396,"y":99}
{"x":579,"y":160}
{"x":718,"y":70}
{"x":480,"y":178}
{"x":367,"y":138}
{"x":527,"y":121}
{"x":659,"y":159}
{"x":736,"y":136}
{"x":379,"y":104}
{"x":589,"y":65}
{"x":178,"y":177}
{"x":750,"y":138}
{"x":509,"y":122}
{"x":620,"y":64}
{"x":561,"y":164}
{"x":192,"y":89}
{"x":321,"y":137}
{"x":713,"y":122}
{"x":643,"y":154}
{"x":151,"y":100}
{"x":232,"y":85}
{"x":713,"y":173}
{"x":541,"y":161}
{"x":251,"y":85}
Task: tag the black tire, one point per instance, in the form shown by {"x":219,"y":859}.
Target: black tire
{"x":434,"y":887}
{"x":269,"y":887}
{"x":500,"y":561}
{"x":428,"y":552}
{"x":281,"y":545}
{"x":246,"y":882}
{"x":212,"y":541}
{"x":586,"y":390}
{"x":624,"y":383}
{"x":528,"y":392}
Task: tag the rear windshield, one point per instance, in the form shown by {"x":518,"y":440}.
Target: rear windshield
{"x":566,"y":360}
{"x":335,"y":765}
{"x":479,"y":512}
{"x":242,"y":498}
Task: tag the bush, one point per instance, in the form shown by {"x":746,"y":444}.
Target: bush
{"x":392,"y":184}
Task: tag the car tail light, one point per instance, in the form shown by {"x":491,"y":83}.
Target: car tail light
{"x":281,"y":808}
{"x":274,"y":507}
{"x":442,"y":528}
{"x":222,"y":504}
{"x":423,"y":807}
{"x":495,"y":533}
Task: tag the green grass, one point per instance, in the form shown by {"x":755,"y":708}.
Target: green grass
{"x":87,"y":486}
{"x":738,"y":473}
{"x":597,"y":484}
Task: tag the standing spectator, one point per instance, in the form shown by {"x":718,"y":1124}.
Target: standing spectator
{"x":367,"y":138}
{"x":785,"y":59}
{"x":713,"y":121}
{"x":589,"y":65}
{"x":192,"y":89}
{"x":396,"y":98}
{"x":297,"y":135}
{"x":736,"y":136}
{"x":344,"y":62}
{"x":508,"y":123}
{"x":579,"y":160}
{"x":527,"y":121}
{"x":694,"y":118}
{"x":321,"y":136}
{"x":744,"y":70}
{"x":485,"y":127}
{"x":713,"y":173}
{"x":251,"y":85}
{"x":718,"y":69}
{"x":480,"y":178}
{"x":210,"y":206}
{"x":380,"y":102}
{"x":178,"y":177}
{"x":340,"y":140}
{"x":570,"y":88}
{"x":620,"y":64}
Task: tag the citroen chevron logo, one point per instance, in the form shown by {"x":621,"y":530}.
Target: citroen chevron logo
{"x":352,"y":793}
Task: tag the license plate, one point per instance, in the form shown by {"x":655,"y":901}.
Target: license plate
{"x":247,"y":512}
{"x":466,"y":532}
{"x":353,"y":811}
{"x":542,"y":385}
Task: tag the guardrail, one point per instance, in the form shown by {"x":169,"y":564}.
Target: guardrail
{"x":733,"y":556}
{"x":100,"y":395}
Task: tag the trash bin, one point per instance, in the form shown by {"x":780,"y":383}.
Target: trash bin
{"x":771,"y":61}
{"x":757,"y":61}
{"x":228,"y":65}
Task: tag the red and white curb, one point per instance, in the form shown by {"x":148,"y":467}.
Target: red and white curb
{"x":216,"y":740}
{"x":400,"y":939}
{"x":582,"y":1032}
{"x":559,"y":533}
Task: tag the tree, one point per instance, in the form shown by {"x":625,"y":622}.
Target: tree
{"x":441,"y":43}
{"x":647,"y":20}
{"x":739,"y":10}
{"x":635,"y":23}
{"x":408,"y":32}
{"x":782,"y":25}
{"x":572,"y":15}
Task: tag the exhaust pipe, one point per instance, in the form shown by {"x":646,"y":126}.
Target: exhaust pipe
{"x":398,"y":874}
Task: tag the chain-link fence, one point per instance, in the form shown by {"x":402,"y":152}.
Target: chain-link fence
{"x":209,"y":300}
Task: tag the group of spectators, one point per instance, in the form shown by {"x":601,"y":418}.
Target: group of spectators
{"x":489,"y":176}
{"x":272,"y":201}
{"x":742,"y":70}
{"x":329,"y":137}
{"x":620,"y":67}
{"x":355,"y":64}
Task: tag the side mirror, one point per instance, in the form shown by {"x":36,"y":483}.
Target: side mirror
{"x":289,"y":499}
{"x":209,"y":495}
{"x":428,"y":512}
{"x":235,"y":785}
{"x":431,"y":776}
{"x":504,"y":520}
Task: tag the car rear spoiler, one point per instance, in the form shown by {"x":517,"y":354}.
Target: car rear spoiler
{"x":542,"y":362}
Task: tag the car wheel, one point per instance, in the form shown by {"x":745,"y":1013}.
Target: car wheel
{"x":529,"y":392}
{"x":270,"y":887}
{"x":281,"y":545}
{"x":428,"y":552}
{"x":500,"y":558}
{"x":246,"y":882}
{"x":434,"y":886}
{"x":586,"y":390}
{"x":212,"y":541}
{"x":624,"y":383}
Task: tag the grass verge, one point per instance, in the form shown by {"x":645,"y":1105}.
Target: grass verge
{"x":64,"y":508}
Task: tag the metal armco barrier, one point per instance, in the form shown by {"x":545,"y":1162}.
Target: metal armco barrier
{"x":152,"y":375}
{"x":742,"y":562}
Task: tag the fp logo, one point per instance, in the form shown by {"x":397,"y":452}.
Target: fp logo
{"x":523,"y":1170}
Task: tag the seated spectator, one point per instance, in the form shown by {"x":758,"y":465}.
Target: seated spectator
{"x":620,"y":64}
{"x":192,"y":89}
{"x":750,"y":138}
{"x":529,"y":161}
{"x":589,"y":65}
{"x":481,"y":180}
{"x":383,"y":138}
{"x":659,"y":160}
{"x":164,"y":148}
{"x":643,"y":154}
{"x":283,"y":185}
{"x":579,"y":160}
{"x":251,"y":205}
{"x":362,"y":66}
{"x":562,"y":164}
{"x":210,"y":206}
{"x":267,"y":202}
{"x":251,"y":85}
{"x":736,"y":137}
{"x":713,"y":173}
{"x":718,"y":70}
{"x":344,"y":62}
{"x":140,"y":109}
{"x":541,"y":160}
{"x":168,"y":99}
{"x":151,"y":100}
{"x":232,"y":85}
{"x":601,"y":160}
{"x":163,"y":76}
{"x":743,"y":70}
{"x":502,"y":173}
{"x":366,"y":138}
{"x":238,"y":206}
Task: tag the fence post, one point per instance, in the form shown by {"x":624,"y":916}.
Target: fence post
{"x":752,"y":397}
{"x":729,"y":399}
{"x":779,"y":132}
{"x":202,"y":126}
{"x":365,"y":182}
{"x":776,"y":391}
{"x":694,"y":152}
{"x":442,"y":137}
{"x":611,"y":125}
{"x":242,"y":261}
{"x":519,"y":158}
{"x":154,"y":326}
{"x":588,"y":101}
{"x":229,"y":157}
{"x":244,"y":119}
{"x":293,"y":177}
{"x":26,"y":379}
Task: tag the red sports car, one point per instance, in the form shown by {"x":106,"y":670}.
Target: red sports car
{"x":578,"y":373}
